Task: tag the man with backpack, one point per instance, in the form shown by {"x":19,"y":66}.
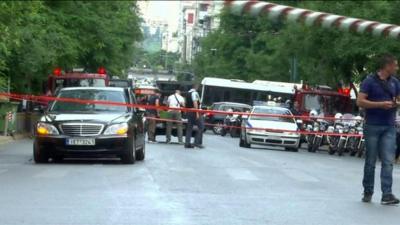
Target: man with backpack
{"x":194,"y":118}
{"x":175,"y":101}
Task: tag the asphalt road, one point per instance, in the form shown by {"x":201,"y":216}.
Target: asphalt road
{"x":221,"y":184}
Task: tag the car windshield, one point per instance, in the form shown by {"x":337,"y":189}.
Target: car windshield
{"x":275,"y":111}
{"x":119,"y":83}
{"x":96,"y":95}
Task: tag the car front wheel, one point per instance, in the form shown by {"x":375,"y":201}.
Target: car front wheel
{"x":40,"y":154}
{"x":243,"y":142}
{"x":141,"y":153}
{"x":129,"y":157}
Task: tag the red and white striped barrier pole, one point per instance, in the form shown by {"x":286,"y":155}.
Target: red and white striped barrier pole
{"x":313,"y":18}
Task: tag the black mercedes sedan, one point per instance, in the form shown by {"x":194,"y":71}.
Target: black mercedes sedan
{"x":73,"y":129}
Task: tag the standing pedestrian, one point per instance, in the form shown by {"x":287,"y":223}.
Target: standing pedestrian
{"x":378,"y":95}
{"x":175,"y":101}
{"x":295,"y":109}
{"x":194,"y":118}
{"x":154,"y":100}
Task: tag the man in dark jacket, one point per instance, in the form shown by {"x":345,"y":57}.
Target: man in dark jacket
{"x":154,"y":100}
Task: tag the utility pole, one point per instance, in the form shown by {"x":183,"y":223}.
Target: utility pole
{"x":184,"y":41}
{"x":9,"y":85}
{"x":166,"y":53}
{"x":294,"y":69}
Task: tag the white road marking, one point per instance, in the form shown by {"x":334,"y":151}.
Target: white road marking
{"x":253,"y":162}
{"x":334,"y":158}
{"x":51,"y":173}
{"x":299,"y":175}
{"x":241,"y":174}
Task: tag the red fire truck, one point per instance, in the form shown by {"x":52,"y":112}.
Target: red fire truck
{"x":75,"y":78}
{"x":323,"y":99}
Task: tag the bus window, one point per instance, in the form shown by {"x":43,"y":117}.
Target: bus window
{"x":227,"y":95}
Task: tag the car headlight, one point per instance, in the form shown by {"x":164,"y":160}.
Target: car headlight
{"x":46,"y":129}
{"x":291,"y":133}
{"x":256,"y":131}
{"x":118,"y":129}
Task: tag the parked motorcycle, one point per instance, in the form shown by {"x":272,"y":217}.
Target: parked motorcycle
{"x":345,"y":124}
{"x":348,"y":124}
{"x":311,"y":126}
{"x":337,"y":142}
{"x":355,"y":143}
{"x":320,"y":126}
{"x":332,"y":140}
{"x":361,"y":140}
{"x":232,"y":125}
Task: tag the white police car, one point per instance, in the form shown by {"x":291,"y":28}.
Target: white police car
{"x":264,"y":133}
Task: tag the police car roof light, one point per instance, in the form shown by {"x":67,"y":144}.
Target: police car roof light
{"x":57,"y":71}
{"x":101,"y":70}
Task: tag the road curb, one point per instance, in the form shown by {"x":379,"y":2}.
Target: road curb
{"x":7,"y":139}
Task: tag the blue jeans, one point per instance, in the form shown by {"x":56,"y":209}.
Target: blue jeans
{"x":380,"y":141}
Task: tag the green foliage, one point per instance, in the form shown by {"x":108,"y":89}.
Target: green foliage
{"x":256,"y":48}
{"x":160,"y":60}
{"x":38,"y":36}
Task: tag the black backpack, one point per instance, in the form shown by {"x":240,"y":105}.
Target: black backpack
{"x":189,"y":100}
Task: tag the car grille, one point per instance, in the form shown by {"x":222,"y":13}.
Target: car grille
{"x":273,"y":141}
{"x":289,"y":142}
{"x":81,"y":129}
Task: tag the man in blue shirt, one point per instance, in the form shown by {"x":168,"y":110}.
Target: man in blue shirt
{"x":379,"y":93}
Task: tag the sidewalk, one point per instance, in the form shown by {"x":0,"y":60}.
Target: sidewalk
{"x":8,"y":139}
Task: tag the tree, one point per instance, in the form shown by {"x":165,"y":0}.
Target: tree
{"x":162,"y":59}
{"x":256,"y":48}
{"x":40,"y":35}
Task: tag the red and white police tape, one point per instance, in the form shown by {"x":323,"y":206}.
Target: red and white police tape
{"x":263,"y":129}
{"x":46,"y":99}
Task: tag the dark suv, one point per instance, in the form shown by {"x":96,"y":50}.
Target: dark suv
{"x":218,"y":119}
{"x":69,"y":129}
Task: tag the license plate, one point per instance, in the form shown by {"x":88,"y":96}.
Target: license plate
{"x":82,"y":141}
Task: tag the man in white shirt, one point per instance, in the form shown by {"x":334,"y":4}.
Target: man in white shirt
{"x":175,"y":101}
